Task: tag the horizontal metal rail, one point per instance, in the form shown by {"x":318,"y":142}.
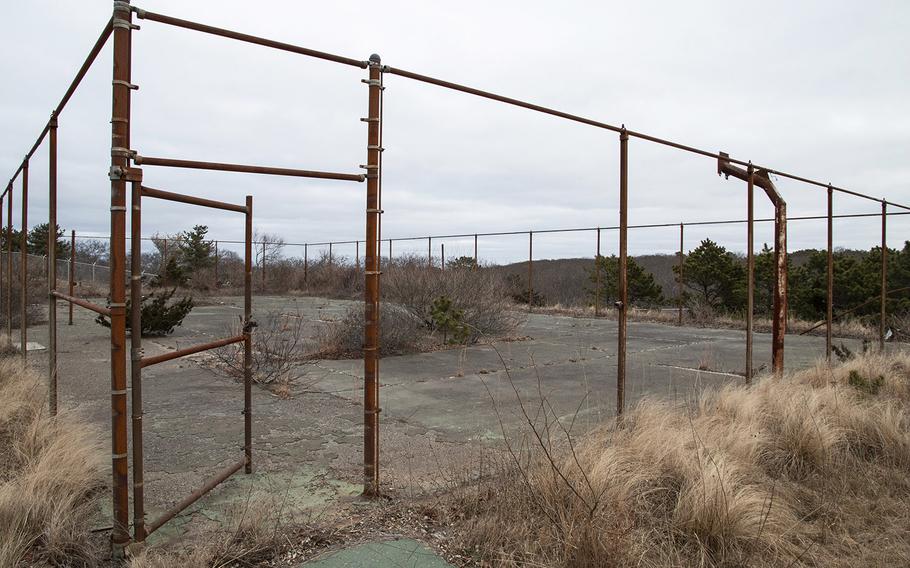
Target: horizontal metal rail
{"x":181,"y":198}
{"x":84,"y":303}
{"x":93,"y":54}
{"x":241,"y":168}
{"x":189,"y":25}
{"x":194,"y":496}
{"x":614,"y":128}
{"x":149,"y":361}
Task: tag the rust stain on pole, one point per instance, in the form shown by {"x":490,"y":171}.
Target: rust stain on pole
{"x":23,"y":267}
{"x":71,"y":275}
{"x":623,"y":303}
{"x":679,"y":276}
{"x":884,"y":299}
{"x":248,"y":338}
{"x":829,"y":293}
{"x":371,"y":290}
{"x":136,"y":360}
{"x":52,"y":267}
{"x":750,"y":269}
{"x":120,"y":151}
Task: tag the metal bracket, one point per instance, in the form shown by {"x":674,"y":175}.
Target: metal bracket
{"x":119,"y":208}
{"x":136,"y":354}
{"x":119,"y":456}
{"x":124,"y":24}
{"x":372,"y":272}
{"x":377,"y":411}
{"x":140,"y":13}
{"x":121,"y":152}
{"x":113,"y":305}
{"x":117,"y":173}
{"x":369,"y":166}
{"x":248,"y":326}
{"x":126,"y":84}
{"x":378,"y":148}
{"x":380,"y":211}
{"x":369,"y":120}
{"x":373,"y":83}
{"x":123,"y":120}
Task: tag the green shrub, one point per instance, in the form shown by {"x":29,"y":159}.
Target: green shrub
{"x":158,"y":318}
{"x":449,"y":320}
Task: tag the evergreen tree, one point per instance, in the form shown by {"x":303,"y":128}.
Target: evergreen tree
{"x":714,"y":275}
{"x":195,"y":252}
{"x":643,"y":290}
{"x":37,"y":241}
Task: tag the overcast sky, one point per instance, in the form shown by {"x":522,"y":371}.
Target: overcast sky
{"x":820,"y":89}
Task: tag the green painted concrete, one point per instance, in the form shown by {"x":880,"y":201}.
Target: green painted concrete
{"x":401,"y":553}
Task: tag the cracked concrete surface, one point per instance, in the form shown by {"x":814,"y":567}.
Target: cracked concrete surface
{"x":439,"y":409}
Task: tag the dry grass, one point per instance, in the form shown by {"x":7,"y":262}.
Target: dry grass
{"x":50,"y":476}
{"x":810,"y":470}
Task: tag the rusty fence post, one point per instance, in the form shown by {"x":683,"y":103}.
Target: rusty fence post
{"x":71,"y":274}
{"x":442,"y":256}
{"x":623,"y":303}
{"x":306,"y":265}
{"x":680,"y":282}
{"x":476,"y":260}
{"x":164,"y":263}
{"x":330,"y":255}
{"x":530,"y":271}
{"x":371,"y":287}
{"x":779,"y":328}
{"x":248,"y":338}
{"x":120,"y":155}
{"x":9,"y":189}
{"x":429,"y":252}
{"x":750,"y":268}
{"x":357,"y":255}
{"x":263,"y":265}
{"x":9,"y":265}
{"x":135,"y":315}
{"x":217,"y":260}
{"x":390,"y":254}
{"x":829,"y":292}
{"x":52,"y":267}
{"x":23,"y":266}
{"x":597,"y":275}
{"x":884,"y":293}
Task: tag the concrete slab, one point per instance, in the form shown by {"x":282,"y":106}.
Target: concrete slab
{"x":401,"y":553}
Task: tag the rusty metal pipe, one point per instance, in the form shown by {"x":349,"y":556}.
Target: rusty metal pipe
{"x":23,"y":268}
{"x":530,"y":271}
{"x":779,"y":327}
{"x":82,"y":303}
{"x":149,"y":361}
{"x":262,"y":266}
{"x":181,"y":198}
{"x":189,"y":25}
{"x":597,"y":263}
{"x":242,"y":168}
{"x":217,"y":262}
{"x":680,"y":277}
{"x":442,"y":256}
{"x":9,"y":189}
{"x":623,"y":303}
{"x":476,"y":260}
{"x":248,"y":338}
{"x":829,"y":292}
{"x":120,"y":143}
{"x":136,"y":361}
{"x":884,"y":297}
{"x":52,"y":268}
{"x":371,"y":292}
{"x":71,"y":274}
{"x":750,"y":270}
{"x":9,"y":265}
{"x":194,"y":496}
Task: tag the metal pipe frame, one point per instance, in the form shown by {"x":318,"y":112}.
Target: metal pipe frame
{"x":371,"y":288}
{"x":52,"y":268}
{"x":9,"y":263}
{"x":23,"y":268}
{"x":622,"y":304}
{"x":679,"y":279}
{"x":8,"y":190}
{"x":171,"y":355}
{"x":884,"y":297}
{"x":750,"y":270}
{"x":137,"y":362}
{"x":597,"y":276}
{"x":242,"y":168}
{"x":530,"y":271}
{"x":829,"y":293}
{"x":181,"y":198}
{"x":120,"y":142}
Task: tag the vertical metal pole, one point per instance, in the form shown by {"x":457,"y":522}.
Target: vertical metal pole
{"x":476,"y":260}
{"x":779,"y":328}
{"x":357,"y":254}
{"x":120,"y":145}
{"x":623,"y":302}
{"x":23,"y":267}
{"x":306,"y":265}
{"x":442,"y":256}
{"x":52,"y":267}
{"x":263,"y":264}
{"x":597,"y":275}
{"x":217,"y":260}
{"x":390,"y":253}
{"x":680,"y":281}
{"x":829,"y":295}
{"x":429,"y":252}
{"x":884,"y":299}
{"x":371,"y":290}
{"x":530,"y":270}
{"x":9,"y":265}
{"x":330,"y":255}
{"x":164,"y":264}
{"x":9,"y":189}
{"x":750,"y":269}
{"x":136,"y":360}
{"x":71,"y":274}
{"x":248,"y":338}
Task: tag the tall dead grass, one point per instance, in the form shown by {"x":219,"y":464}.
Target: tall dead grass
{"x":50,"y":476}
{"x":810,"y":470}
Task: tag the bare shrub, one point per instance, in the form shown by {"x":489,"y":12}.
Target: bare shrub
{"x":277,"y":354}
{"x":480,"y":294}
{"x":36,"y":286}
{"x":335,"y":277}
{"x":809,"y":470}
{"x":400,"y":331}
{"x":50,"y":475}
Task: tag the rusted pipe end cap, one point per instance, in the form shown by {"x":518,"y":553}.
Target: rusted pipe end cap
{"x":375,"y":59}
